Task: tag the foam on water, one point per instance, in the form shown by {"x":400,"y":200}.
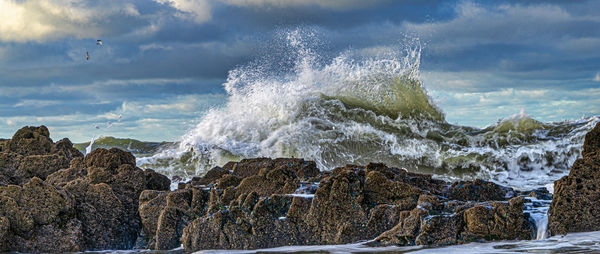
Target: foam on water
{"x":572,"y":243}
{"x":353,"y":108}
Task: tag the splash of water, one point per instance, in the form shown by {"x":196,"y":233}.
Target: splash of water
{"x":357,"y":108}
{"x":88,"y":149}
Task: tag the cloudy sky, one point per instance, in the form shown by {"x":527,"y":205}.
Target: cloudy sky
{"x":163,"y":62}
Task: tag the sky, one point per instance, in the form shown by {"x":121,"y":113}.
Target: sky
{"x":163,"y":62}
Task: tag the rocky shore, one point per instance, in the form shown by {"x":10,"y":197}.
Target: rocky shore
{"x":52,"y":198}
{"x":576,"y":205}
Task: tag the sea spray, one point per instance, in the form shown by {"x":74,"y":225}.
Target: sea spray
{"x":88,"y":149}
{"x":357,"y":108}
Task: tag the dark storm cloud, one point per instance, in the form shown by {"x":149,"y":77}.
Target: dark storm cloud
{"x":158,"y":53}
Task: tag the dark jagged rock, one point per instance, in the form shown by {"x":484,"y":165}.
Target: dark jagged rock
{"x":165,"y":215}
{"x":498,"y":221}
{"x":591,"y":144}
{"x":109,"y":159}
{"x":576,"y":196}
{"x":31,"y":141}
{"x":156,"y":181}
{"x":539,"y":193}
{"x":250,"y":167}
{"x":351,"y":203}
{"x":478,"y":190}
{"x":472,"y":222}
{"x":303,"y":169}
{"x":339,"y":213}
{"x":3,"y":144}
{"x":210,"y":177}
{"x":64,"y":202}
{"x":38,"y":217}
{"x":54,"y":200}
{"x":277,"y":181}
{"x":31,"y":153}
{"x":107,"y":186}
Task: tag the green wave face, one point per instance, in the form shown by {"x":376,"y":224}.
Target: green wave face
{"x":138,"y":148}
{"x":394,"y":97}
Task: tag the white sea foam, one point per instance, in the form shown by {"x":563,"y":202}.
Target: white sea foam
{"x":572,"y":243}
{"x":357,"y":109}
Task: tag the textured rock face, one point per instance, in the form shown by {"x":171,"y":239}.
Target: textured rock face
{"x":165,"y":215}
{"x":478,"y":190}
{"x":54,"y":200}
{"x":106,"y":186}
{"x":31,"y":153}
{"x":38,"y":217}
{"x":576,"y":196}
{"x":349,"y":204}
{"x":460,"y":222}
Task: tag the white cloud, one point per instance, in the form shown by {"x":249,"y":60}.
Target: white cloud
{"x":200,"y":11}
{"x":40,"y":20}
{"x":476,"y":24}
{"x":196,"y":10}
{"x":36,"y":103}
{"x":170,"y":117}
{"x":155,"y":46}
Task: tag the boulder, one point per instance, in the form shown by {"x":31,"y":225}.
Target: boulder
{"x":31,"y":153}
{"x":31,"y":141}
{"x":211,"y":176}
{"x":107,"y":187}
{"x":478,"y":190}
{"x":498,"y":221}
{"x":277,"y":181}
{"x":471,"y":222}
{"x":591,"y":143}
{"x":86,"y":203}
{"x":38,"y":217}
{"x":338,"y":212}
{"x":250,"y":167}
{"x":156,"y":181}
{"x":350,"y":204}
{"x":574,"y":207}
{"x":165,"y":215}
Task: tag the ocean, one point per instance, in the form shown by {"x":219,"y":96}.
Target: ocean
{"x":355,"y":109}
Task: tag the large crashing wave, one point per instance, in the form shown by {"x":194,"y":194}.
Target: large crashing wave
{"x":357,"y":109}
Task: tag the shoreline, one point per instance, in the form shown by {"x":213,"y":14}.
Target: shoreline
{"x":103,"y":201}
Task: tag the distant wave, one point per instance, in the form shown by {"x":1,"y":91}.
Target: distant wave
{"x":358,"y":109}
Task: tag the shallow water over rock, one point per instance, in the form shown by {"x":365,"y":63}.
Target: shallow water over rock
{"x":588,"y":242}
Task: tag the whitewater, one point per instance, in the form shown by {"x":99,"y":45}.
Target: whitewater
{"x":356,"y":108}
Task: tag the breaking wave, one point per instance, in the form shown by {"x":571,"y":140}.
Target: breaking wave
{"x":355,"y":108}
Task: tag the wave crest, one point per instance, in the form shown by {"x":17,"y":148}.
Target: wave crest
{"x":357,"y":109}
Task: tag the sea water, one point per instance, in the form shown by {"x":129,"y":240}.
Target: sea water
{"x":353,"y":108}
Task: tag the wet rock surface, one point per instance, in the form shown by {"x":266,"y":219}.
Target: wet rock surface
{"x":52,"y":199}
{"x":31,"y":153}
{"x":273,"y":206}
{"x":576,"y":196}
